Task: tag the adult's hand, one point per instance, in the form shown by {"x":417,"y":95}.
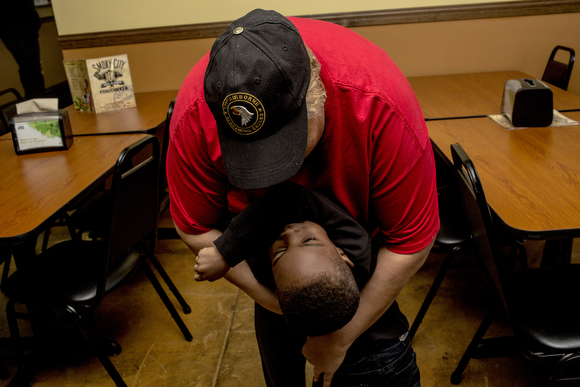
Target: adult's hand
{"x":326,"y":354}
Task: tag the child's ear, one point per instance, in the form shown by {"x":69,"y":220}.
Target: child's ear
{"x":344,"y":257}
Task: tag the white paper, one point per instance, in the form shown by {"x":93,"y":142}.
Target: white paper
{"x":37,"y":105}
{"x":558,"y":120}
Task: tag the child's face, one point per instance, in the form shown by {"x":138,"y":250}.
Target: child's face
{"x":302,"y":250}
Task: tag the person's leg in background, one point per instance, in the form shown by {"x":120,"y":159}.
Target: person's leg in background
{"x":19,"y":26}
{"x":26,"y":52}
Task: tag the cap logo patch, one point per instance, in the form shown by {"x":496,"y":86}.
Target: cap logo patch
{"x":244,"y":113}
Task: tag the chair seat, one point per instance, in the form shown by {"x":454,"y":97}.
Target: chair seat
{"x":67,"y":273}
{"x":453,"y":228}
{"x":546,"y":302}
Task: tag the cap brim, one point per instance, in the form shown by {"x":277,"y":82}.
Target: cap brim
{"x":268,"y":161}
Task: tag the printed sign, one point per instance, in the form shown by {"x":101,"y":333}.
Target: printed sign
{"x":101,"y":84}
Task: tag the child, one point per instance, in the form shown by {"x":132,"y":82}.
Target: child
{"x":312,"y":277}
{"x":300,"y":244}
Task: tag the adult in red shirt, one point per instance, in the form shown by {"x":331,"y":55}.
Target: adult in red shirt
{"x":294,"y":99}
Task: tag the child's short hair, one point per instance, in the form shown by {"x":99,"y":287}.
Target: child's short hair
{"x":322,"y":303}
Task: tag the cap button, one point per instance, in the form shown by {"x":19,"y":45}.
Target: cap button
{"x":238,"y":30}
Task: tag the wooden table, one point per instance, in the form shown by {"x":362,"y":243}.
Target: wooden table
{"x":35,"y":188}
{"x":531,"y":177}
{"x":475,"y":94}
{"x":146,"y":117}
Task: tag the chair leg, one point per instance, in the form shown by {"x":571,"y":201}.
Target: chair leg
{"x":103,"y":358}
{"x":167,"y":301}
{"x":447,"y":262}
{"x":65,"y":220}
{"x":568,"y":362}
{"x":169,"y":282}
{"x":45,"y":239}
{"x":557,"y":252}
{"x":472,"y":348}
{"x":7,"y":259}
{"x":20,"y":380}
{"x":519,"y":253}
{"x":14,"y":334}
{"x":70,"y":225}
{"x":4,"y":374}
{"x":25,"y":371}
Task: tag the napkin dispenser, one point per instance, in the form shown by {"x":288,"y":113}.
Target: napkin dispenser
{"x":41,"y":132}
{"x":527,"y":103}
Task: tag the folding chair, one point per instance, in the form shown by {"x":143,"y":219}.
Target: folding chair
{"x":558,"y":73}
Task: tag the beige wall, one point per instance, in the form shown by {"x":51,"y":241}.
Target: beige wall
{"x":522,"y":43}
{"x":154,"y":66}
{"x":72,"y":16}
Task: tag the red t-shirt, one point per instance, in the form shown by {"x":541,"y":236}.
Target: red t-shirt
{"x":374,"y":158}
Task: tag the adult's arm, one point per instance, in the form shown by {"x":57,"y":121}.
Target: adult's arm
{"x":393,"y":271}
{"x":198,"y":242}
{"x":240,"y":276}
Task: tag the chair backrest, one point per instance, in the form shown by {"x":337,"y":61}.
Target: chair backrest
{"x":134,"y":189}
{"x":558,"y":73}
{"x":164,"y":147}
{"x":444,"y":169}
{"x":482,"y":225}
{"x":8,"y":109}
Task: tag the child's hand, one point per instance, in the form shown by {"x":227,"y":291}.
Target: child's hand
{"x":210,"y":265}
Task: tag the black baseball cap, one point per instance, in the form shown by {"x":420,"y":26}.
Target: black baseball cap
{"x":255,"y":86}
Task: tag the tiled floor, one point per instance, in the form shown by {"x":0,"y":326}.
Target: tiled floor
{"x":223,"y":352}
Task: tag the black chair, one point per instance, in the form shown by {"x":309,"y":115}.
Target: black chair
{"x":558,"y":73}
{"x":71,"y":278}
{"x":163,"y":194}
{"x":165,"y":232}
{"x":454,"y":236}
{"x":6,"y":259}
{"x":8,"y":109}
{"x":541,"y":303}
{"x":88,"y":215}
